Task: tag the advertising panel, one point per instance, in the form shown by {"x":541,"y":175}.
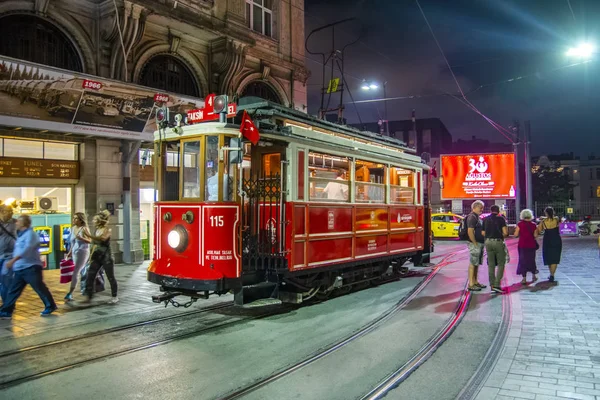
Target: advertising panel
{"x":38,"y":97}
{"x":478,"y":176}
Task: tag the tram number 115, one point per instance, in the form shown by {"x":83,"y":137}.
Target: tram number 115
{"x":216,"y":220}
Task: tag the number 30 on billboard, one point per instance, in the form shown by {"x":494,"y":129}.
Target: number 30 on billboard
{"x":478,"y":176}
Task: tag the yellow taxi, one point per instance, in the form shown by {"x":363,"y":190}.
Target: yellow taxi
{"x":445,"y":225}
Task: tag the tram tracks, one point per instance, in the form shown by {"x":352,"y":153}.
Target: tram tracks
{"x":370,"y":327}
{"x":49,"y":358}
{"x":41,"y":360}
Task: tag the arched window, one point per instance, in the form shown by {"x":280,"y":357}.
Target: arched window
{"x":261,"y":90}
{"x":31,"y":38}
{"x":169,"y":74}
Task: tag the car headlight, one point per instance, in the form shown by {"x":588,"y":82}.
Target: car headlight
{"x":178,"y":238}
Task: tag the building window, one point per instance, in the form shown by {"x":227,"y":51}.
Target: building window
{"x":591,"y":192}
{"x":259,"y":16}
{"x":30,"y":38}
{"x":261,"y":90}
{"x":598,"y":191}
{"x":167,"y":73}
{"x":591,"y":173}
{"x":597,"y":173}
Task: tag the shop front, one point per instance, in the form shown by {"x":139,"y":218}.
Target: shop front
{"x":39,"y":178}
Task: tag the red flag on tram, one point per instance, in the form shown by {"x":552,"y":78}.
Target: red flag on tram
{"x":248,"y":129}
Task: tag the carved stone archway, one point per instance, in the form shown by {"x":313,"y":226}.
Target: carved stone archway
{"x":254,"y":85}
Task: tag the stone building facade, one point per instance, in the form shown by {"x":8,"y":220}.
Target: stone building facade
{"x":242,"y":48}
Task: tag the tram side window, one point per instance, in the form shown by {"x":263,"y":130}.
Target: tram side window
{"x":402,"y":186}
{"x":370,"y":182}
{"x":328,"y":177}
{"x":191,"y":170}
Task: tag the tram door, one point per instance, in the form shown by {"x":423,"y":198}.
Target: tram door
{"x":263,"y":208}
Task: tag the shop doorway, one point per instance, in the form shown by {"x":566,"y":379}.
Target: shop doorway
{"x":51,"y":210}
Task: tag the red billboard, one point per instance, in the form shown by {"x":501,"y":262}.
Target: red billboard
{"x":478,"y":176}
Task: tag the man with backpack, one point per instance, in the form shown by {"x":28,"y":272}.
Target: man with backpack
{"x":471,"y":229}
{"x":494,"y":231}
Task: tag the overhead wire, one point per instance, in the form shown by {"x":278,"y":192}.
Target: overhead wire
{"x":489,"y":120}
{"x":571,"y":8}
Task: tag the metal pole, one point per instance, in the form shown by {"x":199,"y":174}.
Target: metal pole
{"x":528,"y":177}
{"x":517,"y":175}
{"x":387,"y":123}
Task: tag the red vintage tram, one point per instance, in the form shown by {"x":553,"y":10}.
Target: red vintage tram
{"x":314,"y":207}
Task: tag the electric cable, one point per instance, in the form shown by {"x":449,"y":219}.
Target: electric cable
{"x":121,"y":38}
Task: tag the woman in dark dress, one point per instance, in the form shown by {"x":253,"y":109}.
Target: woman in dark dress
{"x":527,"y":233}
{"x":552,"y":243}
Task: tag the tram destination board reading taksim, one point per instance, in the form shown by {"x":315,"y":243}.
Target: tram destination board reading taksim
{"x":34,"y":168}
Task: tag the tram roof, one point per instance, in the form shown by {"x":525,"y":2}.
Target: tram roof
{"x":269,"y":109}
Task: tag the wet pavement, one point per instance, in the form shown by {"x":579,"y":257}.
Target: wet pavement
{"x":546,"y":345}
{"x":553,"y":345}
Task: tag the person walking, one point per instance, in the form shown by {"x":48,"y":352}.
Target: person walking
{"x":527,"y":233}
{"x":8,"y":235}
{"x":101,"y":257}
{"x":475,"y":244}
{"x":495,"y":231}
{"x":552,"y":243}
{"x":27,"y":266}
{"x":79,"y":250}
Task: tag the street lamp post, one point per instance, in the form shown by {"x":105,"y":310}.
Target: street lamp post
{"x":366,"y":86}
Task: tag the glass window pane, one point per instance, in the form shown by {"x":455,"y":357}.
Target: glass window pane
{"x":402,"y":186}
{"x":60,"y":151}
{"x":267,"y":24}
{"x":191,"y":170}
{"x":258,"y":2}
{"x":211,"y":191}
{"x":370,"y":182}
{"x":170,"y":178}
{"x":268,"y":4}
{"x":23,"y":148}
{"x":257,"y":19}
{"x":248,"y":15}
{"x":1,"y":147}
{"x":328,"y":177}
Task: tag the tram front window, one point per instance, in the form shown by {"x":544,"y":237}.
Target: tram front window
{"x":191,"y":170}
{"x":170,"y":175}
{"x":402,"y":186}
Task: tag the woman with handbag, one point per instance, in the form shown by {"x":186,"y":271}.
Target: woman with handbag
{"x":79,"y":250}
{"x":101,"y":257}
{"x":527,"y":233}
{"x":552,"y":243}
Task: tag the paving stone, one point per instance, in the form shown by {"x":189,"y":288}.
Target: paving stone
{"x":554,"y":336}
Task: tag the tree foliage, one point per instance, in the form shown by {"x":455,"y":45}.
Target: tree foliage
{"x":552,"y":184}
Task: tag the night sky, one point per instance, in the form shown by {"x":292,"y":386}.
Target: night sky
{"x":486,"y":42}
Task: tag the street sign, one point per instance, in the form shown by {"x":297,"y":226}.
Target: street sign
{"x":569,"y":210}
{"x":333,"y":85}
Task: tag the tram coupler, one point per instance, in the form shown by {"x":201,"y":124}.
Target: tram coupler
{"x":160,"y":298}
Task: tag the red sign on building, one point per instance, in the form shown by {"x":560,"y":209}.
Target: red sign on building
{"x":161,"y":98}
{"x":87,"y":84}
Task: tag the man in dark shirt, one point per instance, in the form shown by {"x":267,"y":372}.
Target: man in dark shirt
{"x":475,"y":244}
{"x":494,"y":231}
{"x":8,"y":235}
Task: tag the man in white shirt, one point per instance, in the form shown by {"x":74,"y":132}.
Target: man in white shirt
{"x":212,"y":185}
{"x":337,"y":191}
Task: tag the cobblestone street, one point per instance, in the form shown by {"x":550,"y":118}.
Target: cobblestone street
{"x":553,"y":348}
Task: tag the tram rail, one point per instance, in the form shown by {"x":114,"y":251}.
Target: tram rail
{"x":346,"y":341}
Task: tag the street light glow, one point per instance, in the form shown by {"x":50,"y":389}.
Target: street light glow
{"x":365,"y":86}
{"x":584,"y":50}
{"x":373,"y":86}
{"x":369,"y":85}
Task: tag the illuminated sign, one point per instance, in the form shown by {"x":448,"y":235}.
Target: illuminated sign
{"x":478,"y":176}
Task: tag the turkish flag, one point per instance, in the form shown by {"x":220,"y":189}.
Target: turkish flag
{"x":434,"y":170}
{"x":248,"y":129}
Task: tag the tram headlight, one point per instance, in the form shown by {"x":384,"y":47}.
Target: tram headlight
{"x":178,"y":239}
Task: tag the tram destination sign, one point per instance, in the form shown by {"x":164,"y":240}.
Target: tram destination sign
{"x":33,"y":168}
